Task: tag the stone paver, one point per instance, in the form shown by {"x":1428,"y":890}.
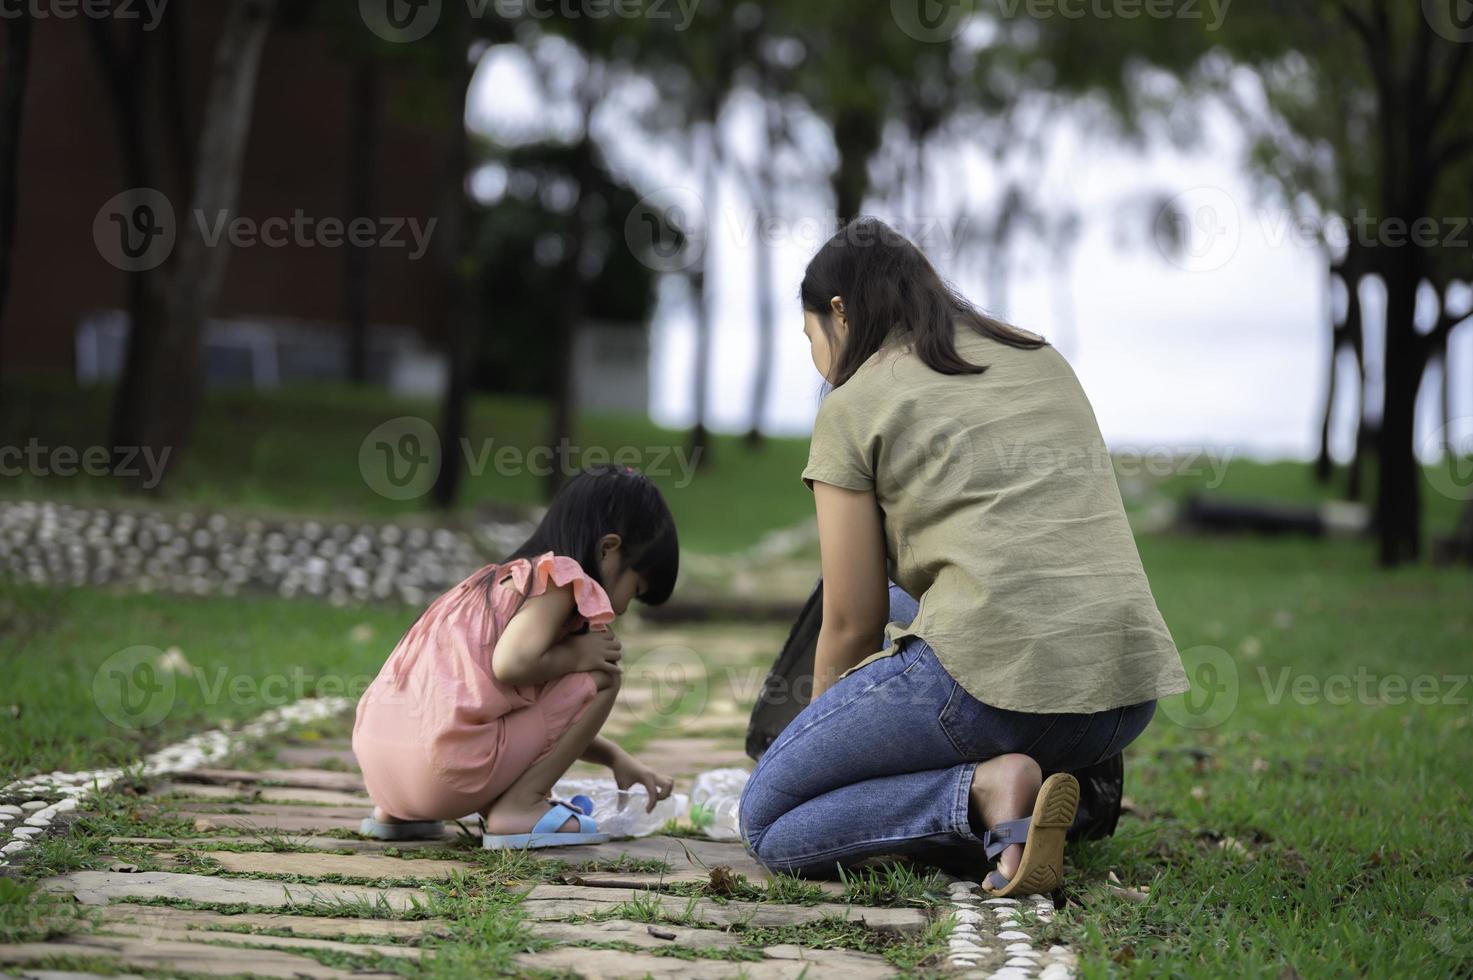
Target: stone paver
{"x":101,"y":887}
{"x":163,"y":917}
{"x":607,"y":964}
{"x":348,"y":865}
{"x":346,"y":782}
{"x":652,"y":880}
{"x":361,"y":846}
{"x":155,"y":932}
{"x":176,"y":957}
{"x":675,"y":852}
{"x":552,"y":902}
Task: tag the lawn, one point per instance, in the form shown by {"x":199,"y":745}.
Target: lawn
{"x":296,"y":450}
{"x":64,"y":655}
{"x":1304,"y":814}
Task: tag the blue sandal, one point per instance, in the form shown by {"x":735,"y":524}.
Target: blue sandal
{"x":545,"y":832}
{"x":1042,"y":835}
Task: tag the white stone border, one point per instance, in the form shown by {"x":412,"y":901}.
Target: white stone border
{"x":975,"y":937}
{"x":66,"y":788}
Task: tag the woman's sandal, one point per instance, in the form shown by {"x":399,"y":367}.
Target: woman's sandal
{"x":1042,"y":835}
{"x":545,"y":832}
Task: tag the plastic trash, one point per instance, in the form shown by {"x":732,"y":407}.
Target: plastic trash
{"x":621,"y":813}
{"x":714,"y":802}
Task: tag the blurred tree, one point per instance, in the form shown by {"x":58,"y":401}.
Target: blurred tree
{"x":13,"y":78}
{"x":158,"y":393}
{"x":1400,"y":71}
{"x":522,"y":237}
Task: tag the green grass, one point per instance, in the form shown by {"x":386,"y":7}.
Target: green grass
{"x":1329,"y":838}
{"x":296,"y":450}
{"x":58,"y":650}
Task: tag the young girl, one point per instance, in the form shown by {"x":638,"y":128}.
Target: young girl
{"x":500,"y":685}
{"x":958,"y":457}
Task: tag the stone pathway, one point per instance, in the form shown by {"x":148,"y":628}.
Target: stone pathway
{"x":269,"y":879}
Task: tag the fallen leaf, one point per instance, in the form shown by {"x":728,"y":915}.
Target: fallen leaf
{"x":1133,"y":895}
{"x":1124,"y":955}
{"x":1235,"y":847}
{"x":204,"y":824}
{"x":1199,"y":792}
{"x":122,"y":868}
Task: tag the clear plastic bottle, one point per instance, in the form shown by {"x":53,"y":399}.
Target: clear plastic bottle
{"x":716,"y":798}
{"x":621,"y":813}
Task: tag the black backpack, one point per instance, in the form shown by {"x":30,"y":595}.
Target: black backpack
{"x":786,"y":692}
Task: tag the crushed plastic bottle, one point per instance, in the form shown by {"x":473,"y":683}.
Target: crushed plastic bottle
{"x":621,"y":813}
{"x":714,"y":802}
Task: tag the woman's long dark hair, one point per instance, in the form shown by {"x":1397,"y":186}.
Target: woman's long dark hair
{"x":611,"y":500}
{"x":890,"y":290}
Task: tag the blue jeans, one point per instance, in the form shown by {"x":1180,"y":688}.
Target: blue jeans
{"x":882,"y":762}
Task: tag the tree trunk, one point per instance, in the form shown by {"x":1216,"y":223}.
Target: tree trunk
{"x":1323,"y":465}
{"x":124,"y":77}
{"x":458,"y":310}
{"x":12,"y":106}
{"x":700,"y":437}
{"x":362,"y":144}
{"x":166,"y":403}
{"x":766,"y":192}
{"x":1399,"y":501}
{"x":856,"y":136}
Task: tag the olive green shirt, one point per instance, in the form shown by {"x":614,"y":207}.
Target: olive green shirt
{"x":1003,"y":517}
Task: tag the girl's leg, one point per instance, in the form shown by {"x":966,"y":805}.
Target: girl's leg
{"x":524,"y":802}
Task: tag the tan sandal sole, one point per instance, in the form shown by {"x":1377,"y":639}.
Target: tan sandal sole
{"x":1042,"y":869}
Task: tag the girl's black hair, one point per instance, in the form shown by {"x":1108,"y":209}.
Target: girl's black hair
{"x":890,"y":290}
{"x":611,"y":500}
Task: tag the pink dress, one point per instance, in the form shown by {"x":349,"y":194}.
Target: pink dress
{"x":436,"y":735}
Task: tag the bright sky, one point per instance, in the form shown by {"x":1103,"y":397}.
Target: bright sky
{"x":1223,"y":347}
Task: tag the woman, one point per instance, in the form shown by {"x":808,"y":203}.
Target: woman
{"x":958,"y":457}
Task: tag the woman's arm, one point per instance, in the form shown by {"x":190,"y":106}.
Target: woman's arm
{"x":527,"y":651}
{"x":856,"y":594}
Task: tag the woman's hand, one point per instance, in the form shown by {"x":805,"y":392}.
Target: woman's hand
{"x":629,"y":771}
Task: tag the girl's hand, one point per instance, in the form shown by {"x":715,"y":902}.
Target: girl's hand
{"x":628,"y":771}
{"x":596,"y":650}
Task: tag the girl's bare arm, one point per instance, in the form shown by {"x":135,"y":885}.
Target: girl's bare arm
{"x":528,"y":651}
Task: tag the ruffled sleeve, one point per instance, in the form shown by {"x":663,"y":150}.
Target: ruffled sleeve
{"x":531,"y":575}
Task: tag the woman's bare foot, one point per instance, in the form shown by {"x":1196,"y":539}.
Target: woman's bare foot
{"x":520,"y":816}
{"x":1005,"y":788}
